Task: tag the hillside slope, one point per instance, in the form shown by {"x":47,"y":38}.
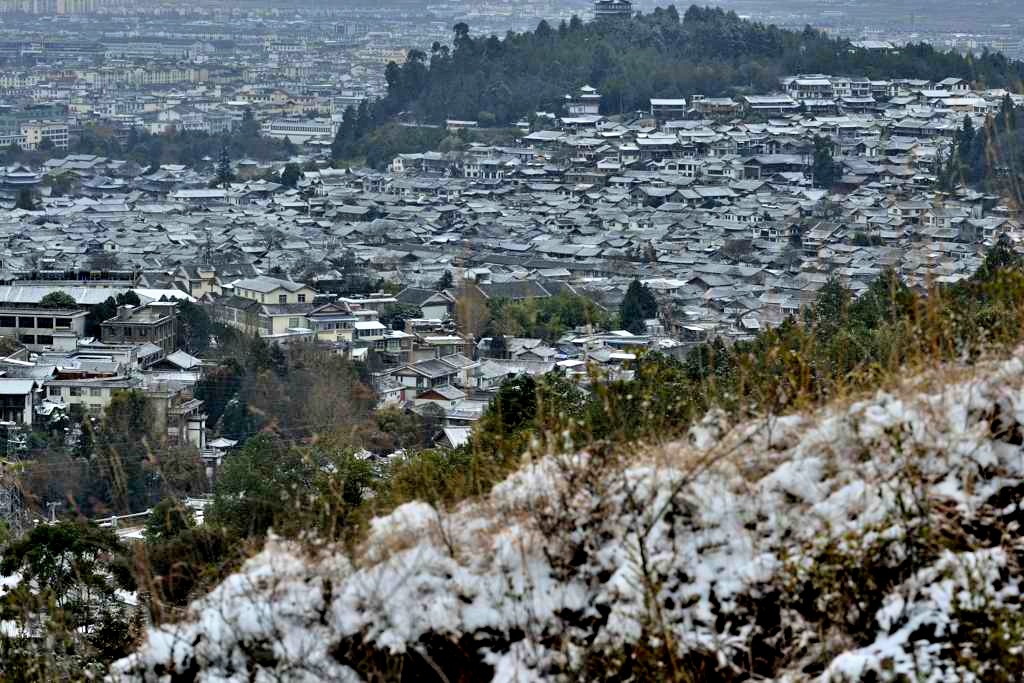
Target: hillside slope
{"x":665,"y":53}
{"x":868,"y":541}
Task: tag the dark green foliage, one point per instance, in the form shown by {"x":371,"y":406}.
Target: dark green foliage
{"x":124,"y":443}
{"x":395,"y":315}
{"x":224,"y":173}
{"x":515,"y":405}
{"x":499,"y":346}
{"x":58,"y":300}
{"x":823,"y":168}
{"x":255,"y":484}
{"x":965,"y":140}
{"x":445,"y":281}
{"x":195,"y":328}
{"x":270,"y":484}
{"x":829,"y":310}
{"x":638,"y":305}
{"x":69,"y":573}
{"x":382,"y":144}
{"x":863,"y":239}
{"x":169,"y":518}
{"x":502,"y":431}
{"x":708,"y":51}
{"x":177,"y":470}
{"x":290,"y":175}
{"x":237,"y":420}
{"x":249,"y":128}
{"x":298,"y":392}
{"x":658,"y":399}
{"x":1001,"y":256}
{"x":62,"y":185}
{"x":524,"y":409}
{"x":403,"y":428}
{"x":342,"y":146}
{"x":885,"y":302}
{"x":26,"y":200}
{"x":438,"y":477}
{"x":190,"y":560}
{"x":544,"y":318}
{"x":278,"y":361}
{"x":991,"y":158}
{"x":218,"y":387}
{"x":108,"y":309}
{"x":66,"y":557}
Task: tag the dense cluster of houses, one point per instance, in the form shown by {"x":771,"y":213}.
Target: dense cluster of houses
{"x":55,"y":366}
{"x":713,"y":207}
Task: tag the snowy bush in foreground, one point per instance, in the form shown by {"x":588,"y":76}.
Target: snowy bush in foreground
{"x":874,"y":541}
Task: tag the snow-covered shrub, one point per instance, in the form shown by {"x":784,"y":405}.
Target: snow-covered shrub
{"x":872,"y":541}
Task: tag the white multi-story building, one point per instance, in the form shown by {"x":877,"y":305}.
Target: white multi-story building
{"x":301,"y":130}
{"x":36,"y":132}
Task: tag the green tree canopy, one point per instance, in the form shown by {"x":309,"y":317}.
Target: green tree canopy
{"x":58,"y":300}
{"x":290,"y":175}
{"x":125,"y":444}
{"x":395,"y":315}
{"x":25,"y":200}
{"x":254,"y":486}
{"x":823,"y":167}
{"x":195,"y":328}
{"x":638,"y":305}
{"x":224,"y":173}
{"x":167,"y":519}
{"x":271,"y":484}
{"x":706,"y":51}
{"x":70,"y":560}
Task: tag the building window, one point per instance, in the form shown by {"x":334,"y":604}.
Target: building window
{"x":62,"y":324}
{"x":8,"y":321}
{"x":95,"y":392}
{"x":53,"y":391}
{"x":282,"y":298}
{"x":26,"y":322}
{"x":44,"y":323}
{"x":75,"y":391}
{"x":44,"y":339}
{"x":302,"y":298}
{"x":294,"y":322}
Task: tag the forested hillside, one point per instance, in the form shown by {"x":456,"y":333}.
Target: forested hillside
{"x":660,"y":54}
{"x":499,"y":81}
